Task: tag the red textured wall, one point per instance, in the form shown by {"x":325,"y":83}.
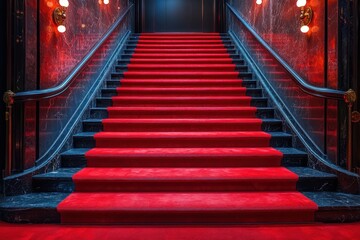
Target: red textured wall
{"x":86,"y":22}
{"x":278,"y":23}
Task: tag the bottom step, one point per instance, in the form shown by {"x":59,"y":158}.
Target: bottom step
{"x":181,"y":208}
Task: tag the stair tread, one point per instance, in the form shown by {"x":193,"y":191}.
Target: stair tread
{"x":178,"y":134}
{"x":335,"y":200}
{"x":199,"y":202}
{"x":33,"y":200}
{"x":178,"y":173}
{"x":185,"y":97}
{"x":184,"y":108}
{"x":180,"y":80}
{"x":61,"y":173}
{"x":285,"y":151}
{"x":255,"y":134}
{"x":184,"y":120}
{"x":185,"y":174}
{"x":306,"y":172}
{"x":184,"y":151}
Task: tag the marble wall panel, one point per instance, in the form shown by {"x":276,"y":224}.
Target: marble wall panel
{"x":86,"y":22}
{"x":313,"y":56}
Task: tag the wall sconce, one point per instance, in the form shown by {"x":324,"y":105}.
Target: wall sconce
{"x":106,"y":2}
{"x":306,"y":15}
{"x":258,"y":2}
{"x":59,"y":15}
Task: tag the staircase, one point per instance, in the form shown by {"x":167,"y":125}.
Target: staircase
{"x":182,"y":134}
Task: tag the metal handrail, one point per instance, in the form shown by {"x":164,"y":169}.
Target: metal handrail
{"x":349,"y":97}
{"x":35,"y":95}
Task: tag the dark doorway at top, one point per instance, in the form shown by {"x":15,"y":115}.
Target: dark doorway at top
{"x":179,"y":15}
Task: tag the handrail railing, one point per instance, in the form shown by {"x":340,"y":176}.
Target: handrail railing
{"x":62,"y":87}
{"x":34,"y":95}
{"x":349,"y":97}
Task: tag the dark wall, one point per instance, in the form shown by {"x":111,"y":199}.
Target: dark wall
{"x":179,"y":15}
{"x":2,"y":81}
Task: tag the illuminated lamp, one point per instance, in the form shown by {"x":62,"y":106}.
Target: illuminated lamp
{"x":59,"y":15}
{"x":306,"y":15}
{"x":64,"y":3}
{"x":301,"y":3}
{"x":106,"y":1}
{"x":258,"y":2}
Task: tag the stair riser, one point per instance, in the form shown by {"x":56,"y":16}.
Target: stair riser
{"x":189,"y":186}
{"x":180,"y":142}
{"x":242,"y":75}
{"x":108,"y":102}
{"x":66,"y":185}
{"x":180,"y":42}
{"x":177,"y":51}
{"x":135,"y":83}
{"x":121,"y":69}
{"x":179,"y":61}
{"x":141,"y":46}
{"x":185,"y":161}
{"x":180,"y":114}
{"x":161,"y":127}
{"x":233,"y":56}
{"x":103,"y":113}
{"x":156,"y":217}
{"x":252,"y":92}
{"x":133,"y":40}
{"x":246,"y":83}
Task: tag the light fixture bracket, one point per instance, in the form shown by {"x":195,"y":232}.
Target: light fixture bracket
{"x":306,"y":15}
{"x":59,"y":15}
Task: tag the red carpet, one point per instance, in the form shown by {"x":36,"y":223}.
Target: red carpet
{"x":182,"y":145}
{"x":348,"y":231}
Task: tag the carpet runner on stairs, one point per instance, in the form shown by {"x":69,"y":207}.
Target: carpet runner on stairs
{"x":182,"y":144}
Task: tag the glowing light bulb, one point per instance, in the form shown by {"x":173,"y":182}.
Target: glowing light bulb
{"x":106,"y":1}
{"x":61,"y":28}
{"x":258,"y":2}
{"x":304,"y":29}
{"x":64,"y":3}
{"x":301,"y":3}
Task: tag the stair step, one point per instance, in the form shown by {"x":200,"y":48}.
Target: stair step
{"x":184,"y":179}
{"x":183,"y":91}
{"x":56,"y":181}
{"x":183,"y":41}
{"x":165,"y":208}
{"x":182,"y":139}
{"x":185,"y":82}
{"x":336,"y":206}
{"x":180,"y":67}
{"x":75,"y":158}
{"x":161,"y":101}
{"x":177,"y":37}
{"x":129,"y":54}
{"x":183,"y":157}
{"x":181,"y":61}
{"x":155,"y":45}
{"x":181,"y":83}
{"x":293,"y":157}
{"x":181,"y":75}
{"x":309,"y":180}
{"x":177,"y":51}
{"x":314,"y":180}
{"x":32,"y":208}
{"x":189,"y":112}
{"x":194,"y":125}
